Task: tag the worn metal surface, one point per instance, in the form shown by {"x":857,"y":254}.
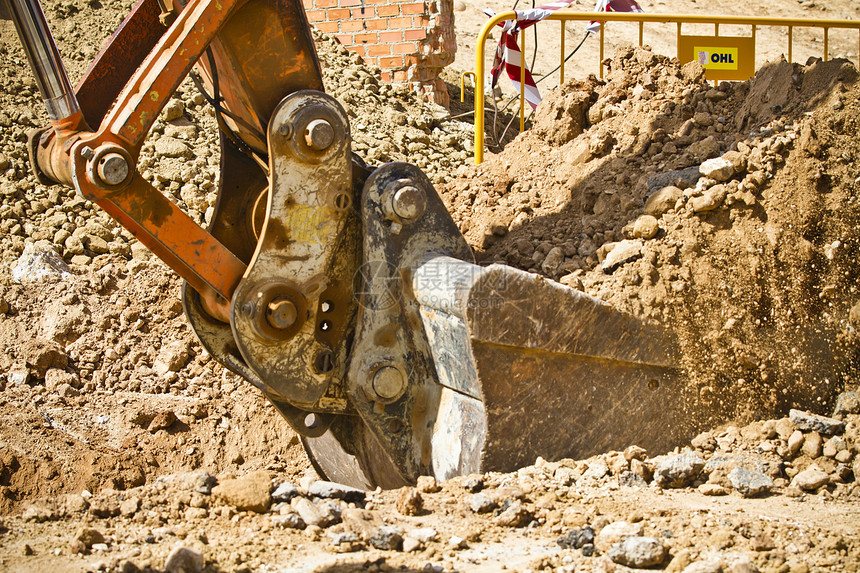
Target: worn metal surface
{"x":389,"y":338}
{"x":561,"y":374}
{"x":306,"y":254}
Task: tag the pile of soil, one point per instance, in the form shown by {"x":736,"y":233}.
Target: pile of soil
{"x":728,"y":213}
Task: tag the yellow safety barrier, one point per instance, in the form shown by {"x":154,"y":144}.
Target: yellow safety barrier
{"x":704,"y":46}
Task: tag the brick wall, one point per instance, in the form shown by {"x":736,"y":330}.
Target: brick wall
{"x":410,"y":41}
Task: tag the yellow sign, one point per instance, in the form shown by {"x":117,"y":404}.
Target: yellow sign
{"x":723,"y":57}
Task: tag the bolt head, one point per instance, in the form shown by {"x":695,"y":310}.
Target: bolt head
{"x":113,"y":169}
{"x":319,"y":135}
{"x":409,"y":202}
{"x":388,"y":382}
{"x":281,"y":314}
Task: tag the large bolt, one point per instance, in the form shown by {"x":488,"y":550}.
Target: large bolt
{"x":113,"y":169}
{"x":409,"y":202}
{"x":388,"y":382}
{"x":281,"y":314}
{"x":319,"y":135}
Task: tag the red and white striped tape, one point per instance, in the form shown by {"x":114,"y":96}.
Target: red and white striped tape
{"x":508,"y":52}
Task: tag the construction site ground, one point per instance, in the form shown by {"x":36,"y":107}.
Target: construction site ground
{"x":124,"y":447}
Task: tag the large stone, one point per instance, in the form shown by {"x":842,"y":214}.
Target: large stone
{"x":39,"y":263}
{"x":247,"y":493}
{"x":172,"y":147}
{"x":847,"y":403}
{"x":809,"y":422}
{"x":678,"y":471}
{"x":750,"y":483}
{"x":331,"y":490}
{"x":184,"y":560}
{"x":811,"y":478}
{"x":645,"y":227}
{"x":638,"y":551}
{"x":622,"y":252}
{"x":171,"y":358}
{"x":718,"y":168}
{"x":663,"y":200}
{"x":709,"y":200}
{"x":409,"y":501}
{"x":616,"y":532}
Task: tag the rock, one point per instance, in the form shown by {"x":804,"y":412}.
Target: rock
{"x":681,"y":178}
{"x":576,"y":538}
{"x":84,"y":540}
{"x":847,"y":402}
{"x":638,"y":552}
{"x":679,"y":470}
{"x":161,"y":421}
{"x":284,"y":492}
{"x":712,"y":489}
{"x":718,"y":168}
{"x":424,"y":534}
{"x":737,"y":159}
{"x":171,"y":358}
{"x":427,"y":484}
{"x":248,"y":493}
{"x":750,"y":483}
{"x":795,"y":442}
{"x":345,"y":541}
{"x":811,"y":478}
{"x":184,"y":560}
{"x":645,"y":227}
{"x":480,"y":503}
{"x":704,"y":149}
{"x":129,"y":506}
{"x":173,"y":110}
{"x":710,"y":200}
{"x":43,"y":356}
{"x":635,"y":453}
{"x":705,"y":566}
{"x":553,"y":260}
{"x":387,"y":538}
{"x":516,"y":515}
{"x":331,"y":490}
{"x":172,"y":147}
{"x":410,"y":544}
{"x":705,"y":442}
{"x":291,"y":520}
{"x":623,"y":252}
{"x":409,"y":502}
{"x":616,"y":532}
{"x":809,"y":422}
{"x":315,"y":515}
{"x":39,"y":263}
{"x":812,"y":444}
{"x":473,"y":484}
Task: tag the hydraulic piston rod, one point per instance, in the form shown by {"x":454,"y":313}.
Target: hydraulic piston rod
{"x":51,"y":77}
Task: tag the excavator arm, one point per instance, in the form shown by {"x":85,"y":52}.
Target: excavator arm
{"x":346,"y":294}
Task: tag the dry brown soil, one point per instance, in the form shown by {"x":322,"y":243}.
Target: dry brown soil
{"x":114,"y":419}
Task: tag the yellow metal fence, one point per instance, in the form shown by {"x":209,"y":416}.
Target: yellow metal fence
{"x":641,"y":19}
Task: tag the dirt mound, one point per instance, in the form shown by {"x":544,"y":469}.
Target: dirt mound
{"x":728,"y":213}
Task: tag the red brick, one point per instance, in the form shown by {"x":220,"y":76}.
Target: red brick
{"x":420,"y":21}
{"x":391,"y":36}
{"x":413,"y":8}
{"x":325,"y":3}
{"x":366,"y":38}
{"x":376,"y":1}
{"x":404,"y":48}
{"x":414,"y":34}
{"x":386,"y":76}
{"x":391,"y":62}
{"x":359,"y":49}
{"x":337,"y":13}
{"x":402,"y":22}
{"x":316,"y":15}
{"x":350,"y":2}
{"x":345,"y":39}
{"x":308,"y":4}
{"x":352,"y":26}
{"x":363,"y":12}
{"x":376,"y":24}
{"x":390,"y":10}
{"x":400,"y":76}
{"x":379,"y":49}
{"x":328,"y":28}
{"x":412,"y":60}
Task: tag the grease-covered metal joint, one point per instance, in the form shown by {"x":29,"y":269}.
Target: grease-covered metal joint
{"x":388,"y":382}
{"x":319,"y":134}
{"x":281,"y":313}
